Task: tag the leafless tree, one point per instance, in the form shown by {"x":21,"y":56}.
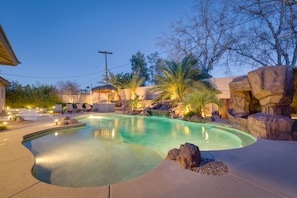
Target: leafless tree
{"x":69,"y":89}
{"x":266,"y":32}
{"x":206,"y":35}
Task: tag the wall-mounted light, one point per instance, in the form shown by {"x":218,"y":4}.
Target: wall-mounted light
{"x":56,"y":121}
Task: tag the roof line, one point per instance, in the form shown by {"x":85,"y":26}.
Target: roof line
{"x":9,"y":46}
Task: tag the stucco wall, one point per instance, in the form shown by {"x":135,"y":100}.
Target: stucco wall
{"x":222,"y":85}
{"x":2,"y":97}
{"x":145,"y":93}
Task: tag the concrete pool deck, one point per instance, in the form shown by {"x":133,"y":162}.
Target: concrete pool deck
{"x":264,"y":169}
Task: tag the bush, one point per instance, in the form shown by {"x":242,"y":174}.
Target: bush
{"x":3,"y":127}
{"x":198,"y":97}
{"x":19,"y":96}
{"x":190,"y":114}
{"x":136,"y":104}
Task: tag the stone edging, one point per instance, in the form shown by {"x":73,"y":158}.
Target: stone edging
{"x":53,"y":128}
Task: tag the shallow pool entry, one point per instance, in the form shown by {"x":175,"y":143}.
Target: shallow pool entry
{"x":113,"y":148}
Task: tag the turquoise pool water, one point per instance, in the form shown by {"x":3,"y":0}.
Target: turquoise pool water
{"x":113,"y":148}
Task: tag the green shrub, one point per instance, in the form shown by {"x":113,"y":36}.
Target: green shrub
{"x":3,"y":126}
{"x":136,"y":104}
{"x":190,"y":114}
{"x":199,"y":96}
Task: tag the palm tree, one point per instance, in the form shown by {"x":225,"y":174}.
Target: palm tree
{"x":117,"y":82}
{"x":175,"y":79}
{"x":131,"y":82}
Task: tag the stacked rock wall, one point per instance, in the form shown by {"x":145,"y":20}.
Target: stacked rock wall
{"x":262,"y":102}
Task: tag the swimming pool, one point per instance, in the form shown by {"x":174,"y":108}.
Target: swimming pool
{"x":113,"y":148}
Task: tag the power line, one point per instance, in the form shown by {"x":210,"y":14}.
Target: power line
{"x":51,"y":77}
{"x":60,"y":77}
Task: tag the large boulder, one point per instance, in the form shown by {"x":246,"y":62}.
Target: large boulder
{"x":274,"y":88}
{"x":240,"y":84}
{"x":240,"y":96}
{"x":262,"y":102}
{"x":188,"y":155}
{"x":67,"y":120}
{"x":237,"y":122}
{"x":274,"y":127}
{"x":173,"y":154}
{"x":241,"y":103}
{"x":72,"y":121}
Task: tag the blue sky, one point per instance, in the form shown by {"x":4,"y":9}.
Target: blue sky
{"x":58,"y":40}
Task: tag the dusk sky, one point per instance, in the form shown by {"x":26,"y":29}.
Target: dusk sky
{"x":58,"y":40}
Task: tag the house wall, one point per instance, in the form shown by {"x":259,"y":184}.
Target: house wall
{"x":222,"y":85}
{"x":2,"y":97}
{"x":145,"y":93}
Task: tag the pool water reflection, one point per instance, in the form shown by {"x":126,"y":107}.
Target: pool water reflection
{"x":113,"y":148}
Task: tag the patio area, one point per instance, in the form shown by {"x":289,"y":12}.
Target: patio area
{"x":264,"y":169}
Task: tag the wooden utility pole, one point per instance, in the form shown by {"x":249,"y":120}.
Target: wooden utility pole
{"x":106,"y":70}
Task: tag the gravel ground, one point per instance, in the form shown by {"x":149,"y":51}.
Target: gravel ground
{"x":213,"y":168}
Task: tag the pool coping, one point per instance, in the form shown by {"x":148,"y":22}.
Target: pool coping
{"x":266,"y":168}
{"x":59,"y":127}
